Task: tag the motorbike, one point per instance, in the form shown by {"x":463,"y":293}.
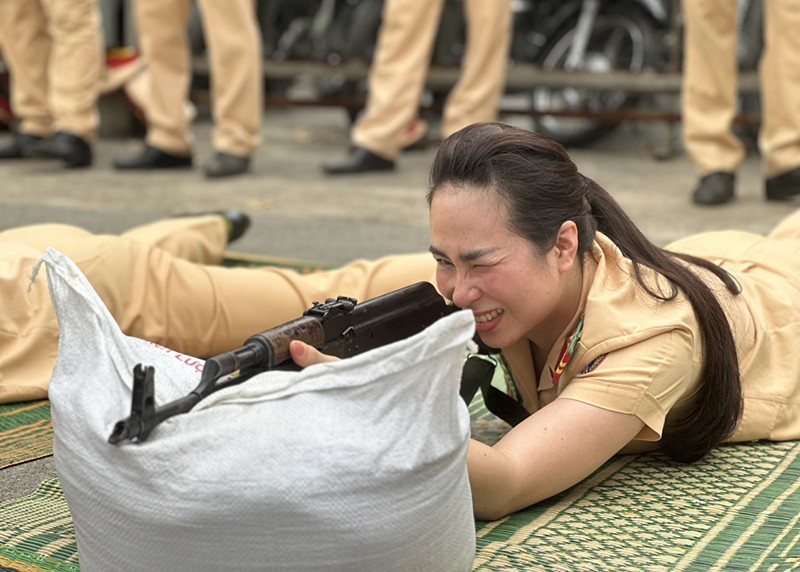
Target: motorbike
{"x":335,"y":32}
{"x":573,"y":35}
{"x":593,"y":36}
{"x":596,"y":36}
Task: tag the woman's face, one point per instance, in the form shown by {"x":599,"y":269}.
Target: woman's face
{"x":484,"y":267}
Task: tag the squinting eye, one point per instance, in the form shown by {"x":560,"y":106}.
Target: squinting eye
{"x":443,"y":262}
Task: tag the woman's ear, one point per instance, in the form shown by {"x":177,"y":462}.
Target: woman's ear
{"x":566,"y":246}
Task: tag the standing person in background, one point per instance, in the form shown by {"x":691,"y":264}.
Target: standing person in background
{"x":397,"y":77}
{"x":234,"y":51}
{"x":709,"y":98}
{"x":55,"y":54}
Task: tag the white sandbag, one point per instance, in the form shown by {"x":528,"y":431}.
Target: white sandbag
{"x":358,"y":465}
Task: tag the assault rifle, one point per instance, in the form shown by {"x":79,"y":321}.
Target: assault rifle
{"x":340,"y":327}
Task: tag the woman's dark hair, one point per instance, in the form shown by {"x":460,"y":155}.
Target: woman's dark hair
{"x":541,"y":188}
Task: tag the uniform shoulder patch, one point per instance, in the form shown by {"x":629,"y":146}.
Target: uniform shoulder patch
{"x":593,"y":364}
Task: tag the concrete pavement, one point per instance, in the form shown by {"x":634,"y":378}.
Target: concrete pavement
{"x":299,"y":212}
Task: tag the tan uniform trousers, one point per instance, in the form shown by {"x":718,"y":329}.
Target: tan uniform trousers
{"x":55,"y":53}
{"x":710,"y":84}
{"x":155,"y":282}
{"x":402,"y":58}
{"x":234,"y":51}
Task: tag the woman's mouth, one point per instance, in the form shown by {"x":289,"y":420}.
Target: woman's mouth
{"x":487,"y":320}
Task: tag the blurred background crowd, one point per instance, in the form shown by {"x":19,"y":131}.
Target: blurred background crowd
{"x":407,"y":73}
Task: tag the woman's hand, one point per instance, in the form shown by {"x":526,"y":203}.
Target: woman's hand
{"x":305,"y":355}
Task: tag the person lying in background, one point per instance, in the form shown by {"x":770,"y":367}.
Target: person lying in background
{"x":163,"y":282}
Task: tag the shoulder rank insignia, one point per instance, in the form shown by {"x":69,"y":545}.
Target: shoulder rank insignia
{"x":593,"y":364}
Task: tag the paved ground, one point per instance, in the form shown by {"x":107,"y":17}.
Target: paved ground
{"x":298,"y":212}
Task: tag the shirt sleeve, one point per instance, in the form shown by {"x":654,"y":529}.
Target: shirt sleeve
{"x":645,"y":379}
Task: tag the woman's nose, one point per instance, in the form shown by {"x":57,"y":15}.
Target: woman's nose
{"x":464,"y":292}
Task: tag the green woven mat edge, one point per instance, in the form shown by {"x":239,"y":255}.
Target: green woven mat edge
{"x":247,"y":259}
{"x":757,"y":522}
{"x":36,"y":532}
{"x":527,"y":540}
{"x":736,"y":509}
{"x":26,"y":432}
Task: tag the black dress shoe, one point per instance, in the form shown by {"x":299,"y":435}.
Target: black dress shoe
{"x":237,"y":222}
{"x":715,"y":189}
{"x":784,"y":186}
{"x":226,"y":165}
{"x":20,"y":146}
{"x":154,"y":158}
{"x":359,"y":160}
{"x":73,"y":150}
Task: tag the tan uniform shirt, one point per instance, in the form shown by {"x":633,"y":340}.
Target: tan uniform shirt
{"x":644,"y":357}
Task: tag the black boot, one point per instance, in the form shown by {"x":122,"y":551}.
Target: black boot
{"x":154,"y":158}
{"x":784,"y":186}
{"x":73,"y":150}
{"x":20,"y":146}
{"x":359,"y":160}
{"x":715,"y":189}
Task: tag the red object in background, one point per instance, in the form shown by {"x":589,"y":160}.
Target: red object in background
{"x":6,"y":116}
{"x":116,"y":59}
{"x":121,"y":65}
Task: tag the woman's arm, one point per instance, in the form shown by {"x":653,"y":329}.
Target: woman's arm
{"x":555,"y":448}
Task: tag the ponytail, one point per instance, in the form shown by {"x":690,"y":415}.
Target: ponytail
{"x":716,"y":408}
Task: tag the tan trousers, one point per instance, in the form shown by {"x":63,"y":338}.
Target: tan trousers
{"x":402,"y":58}
{"x":710,"y":83}
{"x":55,"y":52}
{"x":234,"y":51}
{"x":160,"y":283}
